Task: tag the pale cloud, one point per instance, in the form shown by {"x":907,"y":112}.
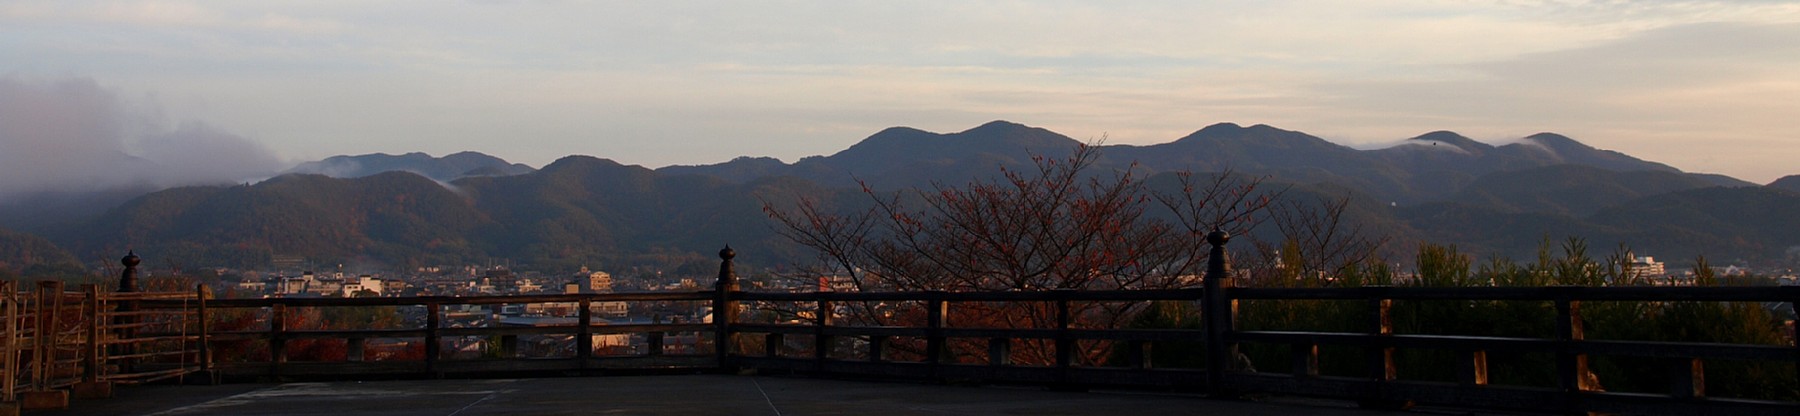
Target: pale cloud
{"x":74,"y":135}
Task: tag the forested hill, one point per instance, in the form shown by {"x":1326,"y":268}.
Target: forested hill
{"x":1438,"y":187}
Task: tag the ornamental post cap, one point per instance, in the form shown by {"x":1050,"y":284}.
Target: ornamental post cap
{"x":727,"y":253}
{"x":131,"y":259}
{"x":1218,"y":237}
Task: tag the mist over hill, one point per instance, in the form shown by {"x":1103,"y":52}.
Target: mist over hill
{"x":448,"y":168}
{"x":413,"y":209}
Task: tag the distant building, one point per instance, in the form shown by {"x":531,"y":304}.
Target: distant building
{"x":597,"y":281}
{"x":1645,"y":267}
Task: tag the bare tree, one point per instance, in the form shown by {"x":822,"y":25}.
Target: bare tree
{"x":1055,"y":225}
{"x":1058,"y":224}
{"x":1317,"y":242}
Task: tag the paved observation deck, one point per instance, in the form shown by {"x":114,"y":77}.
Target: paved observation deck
{"x":664,"y":395}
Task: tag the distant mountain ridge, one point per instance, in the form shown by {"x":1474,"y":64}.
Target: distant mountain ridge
{"x":445,"y":169}
{"x":1415,"y":171}
{"x":1439,"y":187}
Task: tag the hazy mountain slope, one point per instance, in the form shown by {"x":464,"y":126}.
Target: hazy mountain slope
{"x":19,"y":251}
{"x":1788,"y":183}
{"x":394,"y":215}
{"x":447,"y":168}
{"x":1749,"y":222}
{"x":1574,"y":190}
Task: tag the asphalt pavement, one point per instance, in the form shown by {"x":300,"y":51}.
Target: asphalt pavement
{"x":662,"y":395}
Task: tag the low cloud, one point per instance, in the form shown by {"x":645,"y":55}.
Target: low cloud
{"x":72,"y":135}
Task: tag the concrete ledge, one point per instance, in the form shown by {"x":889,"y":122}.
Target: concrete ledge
{"x":41,"y":400}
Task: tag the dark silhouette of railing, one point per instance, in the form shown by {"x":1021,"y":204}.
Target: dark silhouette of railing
{"x":930,"y":347}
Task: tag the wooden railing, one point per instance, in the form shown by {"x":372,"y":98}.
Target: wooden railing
{"x":54,"y":341}
{"x":1573,"y":391}
{"x":939,"y":336}
{"x":274,"y":337}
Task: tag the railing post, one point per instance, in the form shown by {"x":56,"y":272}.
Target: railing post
{"x":91,"y":360}
{"x":1305,"y":359}
{"x":653,"y":341}
{"x":202,"y":293}
{"x":1065,"y":342}
{"x":1217,"y":310}
{"x":92,"y":363}
{"x":9,"y":368}
{"x":433,"y":343}
{"x":821,"y":341}
{"x":1381,"y":355}
{"x":128,"y":283}
{"x":1139,"y":354}
{"x":49,"y":303}
{"x":1571,"y":365}
{"x":42,"y":395}
{"x":999,"y":352}
{"x":1794,"y":327}
{"x":724,"y":312}
{"x":509,"y":347}
{"x":877,"y":345}
{"x":935,"y":345}
{"x":1472,"y":368}
{"x":584,"y":336}
{"x":772,"y":343}
{"x":277,"y":340}
{"x":1687,"y":378}
{"x":355,"y":348}
{"x":1381,"y":324}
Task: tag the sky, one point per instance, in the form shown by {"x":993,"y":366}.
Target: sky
{"x":228,"y":89}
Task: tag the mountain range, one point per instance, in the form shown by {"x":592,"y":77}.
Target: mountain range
{"x":415,"y":209}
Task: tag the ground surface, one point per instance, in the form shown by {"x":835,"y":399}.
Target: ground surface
{"x":660,"y":395}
